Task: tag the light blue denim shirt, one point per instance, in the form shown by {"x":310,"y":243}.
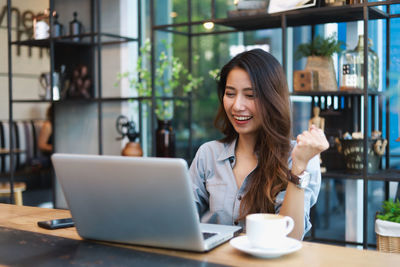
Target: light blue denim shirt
{"x":217,"y":195}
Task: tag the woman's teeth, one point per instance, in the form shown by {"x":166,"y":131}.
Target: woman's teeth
{"x":242,"y":118}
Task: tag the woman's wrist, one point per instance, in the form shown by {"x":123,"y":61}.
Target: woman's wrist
{"x":298,"y":169}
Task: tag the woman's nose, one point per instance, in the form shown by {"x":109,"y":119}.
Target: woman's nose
{"x":238,"y":103}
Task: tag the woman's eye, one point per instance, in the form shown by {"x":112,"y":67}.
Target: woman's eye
{"x":250,"y":96}
{"x":229,"y":94}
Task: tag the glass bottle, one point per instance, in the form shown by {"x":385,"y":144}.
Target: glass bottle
{"x":75,"y":27}
{"x":348,"y":74}
{"x":352,"y":67}
{"x":57,"y":26}
{"x":165,"y":139}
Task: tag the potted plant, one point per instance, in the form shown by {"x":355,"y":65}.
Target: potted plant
{"x":171,"y":78}
{"x":387,"y":227}
{"x":319,"y":58}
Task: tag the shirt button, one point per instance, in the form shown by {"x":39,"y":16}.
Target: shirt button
{"x":236,"y":222}
{"x":239,"y":197}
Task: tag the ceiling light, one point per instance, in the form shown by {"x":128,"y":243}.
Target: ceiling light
{"x":208,"y":25}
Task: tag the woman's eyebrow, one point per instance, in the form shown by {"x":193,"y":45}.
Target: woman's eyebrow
{"x":233,"y":88}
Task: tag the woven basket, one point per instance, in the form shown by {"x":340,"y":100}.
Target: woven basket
{"x":388,"y":244}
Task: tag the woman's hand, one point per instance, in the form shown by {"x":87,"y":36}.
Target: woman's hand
{"x":309,"y":144}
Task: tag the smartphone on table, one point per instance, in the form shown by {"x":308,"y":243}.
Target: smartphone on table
{"x":57,"y":223}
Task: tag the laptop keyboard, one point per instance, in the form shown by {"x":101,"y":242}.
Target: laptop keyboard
{"x":208,"y":235}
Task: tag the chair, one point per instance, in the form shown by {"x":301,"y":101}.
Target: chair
{"x":19,"y":187}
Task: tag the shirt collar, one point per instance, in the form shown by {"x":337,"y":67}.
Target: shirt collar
{"x":229,"y":151}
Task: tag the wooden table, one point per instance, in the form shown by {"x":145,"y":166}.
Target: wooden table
{"x":5,"y":151}
{"x":311,"y":254}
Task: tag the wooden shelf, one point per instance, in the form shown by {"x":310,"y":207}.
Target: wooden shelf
{"x":355,"y":92}
{"x":382,"y":175}
{"x":31,"y":101}
{"x":341,"y":174}
{"x":386,"y":175}
{"x":301,"y":17}
{"x":45,"y":43}
{"x":67,"y":40}
{"x":86,"y":100}
{"x":103,"y":99}
{"x":294,"y":18}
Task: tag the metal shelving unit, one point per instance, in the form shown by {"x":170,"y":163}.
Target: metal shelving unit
{"x":90,"y":45}
{"x":312,"y":16}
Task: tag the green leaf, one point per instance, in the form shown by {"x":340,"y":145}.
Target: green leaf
{"x":391,"y":211}
{"x":379,"y":216}
{"x":319,"y":47}
{"x":171,"y":77}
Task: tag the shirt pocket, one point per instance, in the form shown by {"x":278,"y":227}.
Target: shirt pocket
{"x":217,"y":191}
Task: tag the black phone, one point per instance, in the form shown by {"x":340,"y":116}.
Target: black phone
{"x":57,"y":223}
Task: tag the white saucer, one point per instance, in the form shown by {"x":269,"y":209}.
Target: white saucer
{"x":242,"y":243}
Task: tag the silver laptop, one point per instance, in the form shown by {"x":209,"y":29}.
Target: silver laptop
{"x":140,"y":201}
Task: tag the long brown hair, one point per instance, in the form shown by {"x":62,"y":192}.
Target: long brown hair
{"x":273,"y":138}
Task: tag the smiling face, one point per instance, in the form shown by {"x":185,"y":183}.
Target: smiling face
{"x":240,"y":103}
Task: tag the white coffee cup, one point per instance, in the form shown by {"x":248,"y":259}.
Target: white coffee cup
{"x":268,"y":230}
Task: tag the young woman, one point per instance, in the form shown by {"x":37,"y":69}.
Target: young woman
{"x":45,"y":141}
{"x":256,"y":167}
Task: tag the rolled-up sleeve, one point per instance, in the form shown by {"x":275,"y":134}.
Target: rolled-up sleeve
{"x":310,"y":192}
